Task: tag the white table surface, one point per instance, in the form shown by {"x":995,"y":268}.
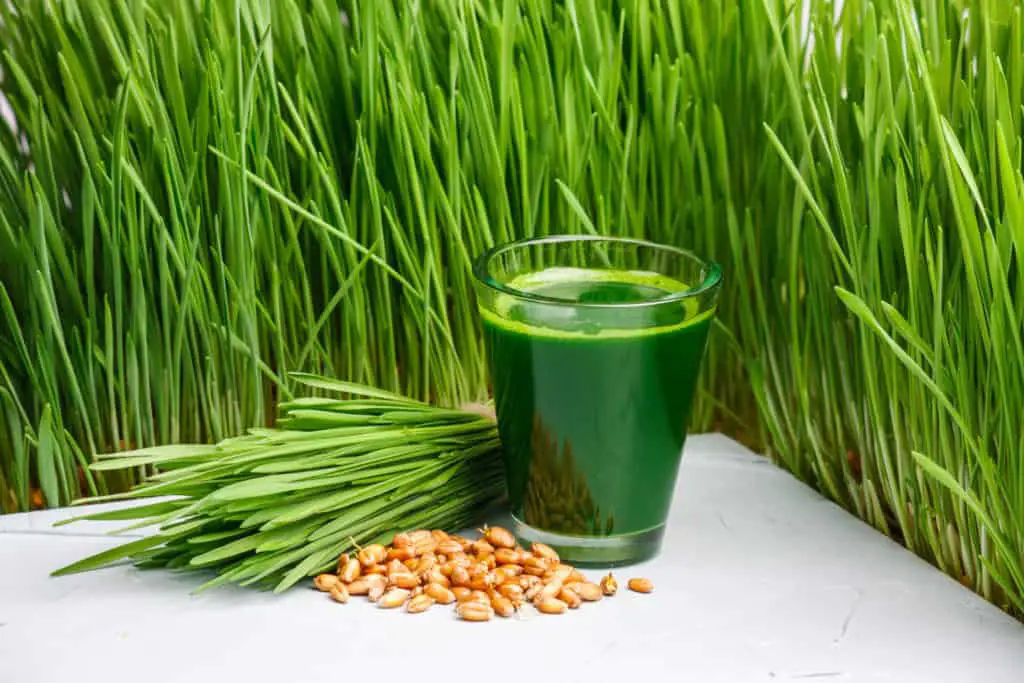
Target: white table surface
{"x":760,"y":579}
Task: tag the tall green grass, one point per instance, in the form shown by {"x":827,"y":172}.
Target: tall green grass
{"x":202,"y":197}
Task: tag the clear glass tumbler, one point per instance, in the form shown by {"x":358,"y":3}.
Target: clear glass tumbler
{"x":595,"y":346}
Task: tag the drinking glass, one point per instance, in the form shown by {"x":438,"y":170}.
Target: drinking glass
{"x":594,"y":346}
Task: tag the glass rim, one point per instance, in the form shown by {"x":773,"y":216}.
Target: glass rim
{"x":481,"y":271}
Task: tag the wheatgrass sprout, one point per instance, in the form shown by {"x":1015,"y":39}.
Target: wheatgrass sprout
{"x":275,"y":506}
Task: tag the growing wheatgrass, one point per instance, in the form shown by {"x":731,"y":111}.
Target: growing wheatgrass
{"x":375,"y":166}
{"x":203,"y":197}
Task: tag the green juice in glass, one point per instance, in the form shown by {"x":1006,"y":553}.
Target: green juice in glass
{"x":593,"y":384}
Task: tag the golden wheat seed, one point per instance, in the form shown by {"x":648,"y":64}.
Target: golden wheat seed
{"x":480,"y":579}
{"x":510,"y":571}
{"x":512,"y":591}
{"x":502,"y":606}
{"x":440,"y":594}
{"x":562,"y":572}
{"x":499,"y":537}
{"x":359,"y":587}
{"x":403,"y":554}
{"x":439,"y":535}
{"x":531,"y":560}
{"x":553,"y":586}
{"x":482,"y":547}
{"x":552,"y":606}
{"x":420,"y":535}
{"x":406,"y":580}
{"x":548,"y":591}
{"x":480,"y":596}
{"x":570,"y":597}
{"x":609,"y":586}
{"x":462,"y":593}
{"x":351,"y":571}
{"x":436,"y":576}
{"x":474,"y":611}
{"x":506,"y":556}
{"x":342,"y":561}
{"x":419,"y":603}
{"x":377,"y":585}
{"x":544,"y":551}
{"x":376,"y":591}
{"x":460,"y":576}
{"x":427,"y":546}
{"x":590,"y":592}
{"x":537,"y":566}
{"x":395,"y":597}
{"x":339,"y":593}
{"x":480,"y":583}
{"x":425,"y":563}
{"x":528,"y":581}
{"x":449,"y":546}
{"x":507,"y":573}
{"x":401,"y":540}
{"x":372,"y":554}
{"x":325,"y":582}
{"x":640,"y":585}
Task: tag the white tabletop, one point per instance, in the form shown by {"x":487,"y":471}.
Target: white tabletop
{"x":760,"y":579}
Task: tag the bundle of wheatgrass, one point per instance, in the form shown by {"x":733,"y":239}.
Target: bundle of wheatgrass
{"x":280,"y":504}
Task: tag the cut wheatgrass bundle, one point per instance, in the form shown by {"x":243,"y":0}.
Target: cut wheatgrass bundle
{"x":278,"y":505}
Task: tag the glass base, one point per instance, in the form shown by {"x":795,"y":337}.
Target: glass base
{"x":595,"y":551}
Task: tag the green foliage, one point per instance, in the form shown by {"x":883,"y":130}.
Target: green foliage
{"x":206,"y":196}
{"x":277,"y":505}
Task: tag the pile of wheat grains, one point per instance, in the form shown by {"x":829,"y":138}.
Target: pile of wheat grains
{"x":484,"y":577}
